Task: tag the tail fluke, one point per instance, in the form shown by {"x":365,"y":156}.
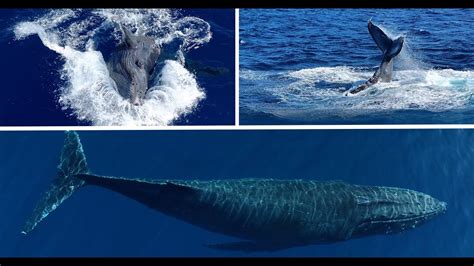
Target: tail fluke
{"x":72,"y":162}
{"x":389,"y":47}
{"x":395,"y":48}
{"x":381,"y":39}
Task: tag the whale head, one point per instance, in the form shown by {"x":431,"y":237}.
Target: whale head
{"x":385,"y":210}
{"x":132,"y":64}
{"x":145,"y":54}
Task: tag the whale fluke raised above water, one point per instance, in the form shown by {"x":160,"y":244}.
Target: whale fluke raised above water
{"x":268,"y":214}
{"x":131,"y":64}
{"x":390,"y":49}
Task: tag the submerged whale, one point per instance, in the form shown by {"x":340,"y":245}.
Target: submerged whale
{"x":266,"y":214}
{"x":390,"y":49}
{"x":132,"y":63}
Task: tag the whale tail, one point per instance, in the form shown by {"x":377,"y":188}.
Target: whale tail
{"x":72,"y":162}
{"x":389,"y":47}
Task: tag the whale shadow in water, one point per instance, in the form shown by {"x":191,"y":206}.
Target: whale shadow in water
{"x":390,"y":49}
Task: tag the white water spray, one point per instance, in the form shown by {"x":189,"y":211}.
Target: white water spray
{"x":88,"y":92}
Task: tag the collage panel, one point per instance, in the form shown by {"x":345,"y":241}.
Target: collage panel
{"x":117,"y":67}
{"x":222,"y":132}
{"x":356,"y":66}
{"x":181,"y":193}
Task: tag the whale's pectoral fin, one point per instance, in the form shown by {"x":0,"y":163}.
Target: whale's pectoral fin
{"x":203,"y":69}
{"x":247,"y":246}
{"x":380,"y":38}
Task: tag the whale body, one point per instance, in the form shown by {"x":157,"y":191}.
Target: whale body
{"x":267,"y":214}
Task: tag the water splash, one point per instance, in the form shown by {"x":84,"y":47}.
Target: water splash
{"x":88,"y":92}
{"x":320,"y":91}
{"x":407,"y":59}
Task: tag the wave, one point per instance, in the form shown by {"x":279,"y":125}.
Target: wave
{"x":88,"y":92}
{"x":320,"y":91}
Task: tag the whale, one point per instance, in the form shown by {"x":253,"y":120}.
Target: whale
{"x":265,"y":214}
{"x":131,"y":65}
{"x":390,"y":49}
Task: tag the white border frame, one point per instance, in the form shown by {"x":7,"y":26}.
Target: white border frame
{"x":244,"y":127}
{"x":237,"y":67}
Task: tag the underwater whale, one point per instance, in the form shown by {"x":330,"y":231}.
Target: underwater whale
{"x":267,"y":214}
{"x":390,"y":49}
{"x":132,"y":63}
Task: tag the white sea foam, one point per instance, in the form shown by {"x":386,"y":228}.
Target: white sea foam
{"x":89,"y":93}
{"x":320,"y":90}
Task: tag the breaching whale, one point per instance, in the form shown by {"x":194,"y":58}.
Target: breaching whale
{"x":267,"y":214}
{"x":132,"y":63}
{"x":390,"y":49}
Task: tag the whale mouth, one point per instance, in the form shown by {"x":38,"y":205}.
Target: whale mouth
{"x":137,"y":99}
{"x":388,"y":210}
{"x":440,"y":209}
{"x":398,"y":224}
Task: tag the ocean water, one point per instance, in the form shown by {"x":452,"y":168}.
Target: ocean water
{"x":98,"y":222}
{"x":296,"y":63}
{"x":55,"y":74}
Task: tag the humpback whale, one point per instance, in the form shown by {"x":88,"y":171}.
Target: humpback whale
{"x":267,"y":214}
{"x":390,"y":49}
{"x":132,"y":63}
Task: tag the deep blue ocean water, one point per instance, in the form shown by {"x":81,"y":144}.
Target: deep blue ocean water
{"x":31,"y":72}
{"x":295,"y":63}
{"x":98,"y":222}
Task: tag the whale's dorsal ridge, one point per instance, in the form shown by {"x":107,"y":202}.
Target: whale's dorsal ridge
{"x":335,"y":182}
{"x":179,"y":187}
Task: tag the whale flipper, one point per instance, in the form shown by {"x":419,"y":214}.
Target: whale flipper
{"x":72,"y":162}
{"x":247,"y":246}
{"x":390,"y":49}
